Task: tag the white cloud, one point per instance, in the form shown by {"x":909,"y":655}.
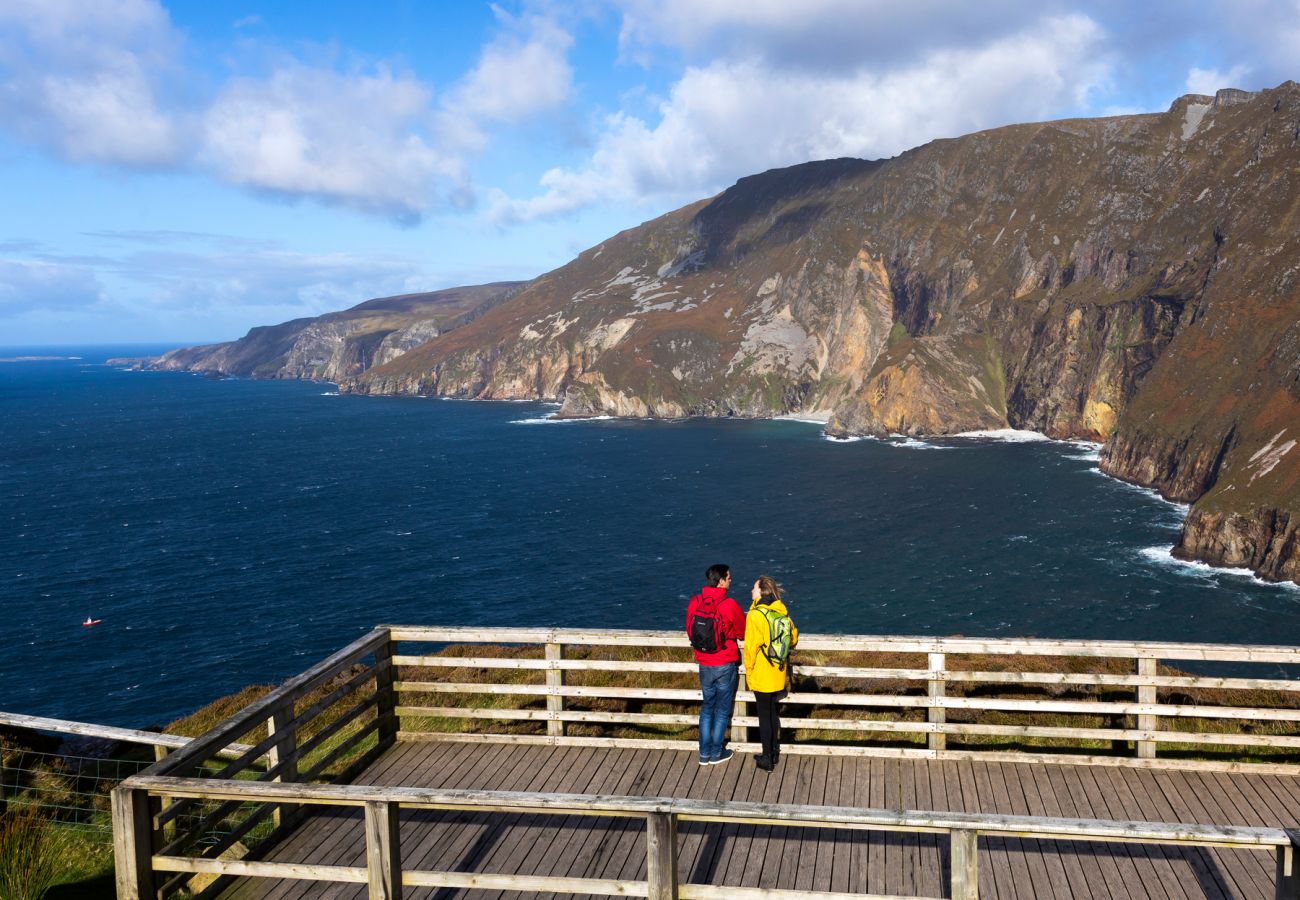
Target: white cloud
{"x":817,"y":34}
{"x":187,"y":284}
{"x":357,"y":138}
{"x":733,"y":117}
{"x":1208,"y":81}
{"x":523,"y":73}
{"x":1256,"y":43}
{"x":84,"y":80}
{"x":30,"y":285}
{"x":103,"y":82}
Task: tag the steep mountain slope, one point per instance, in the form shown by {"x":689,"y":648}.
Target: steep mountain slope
{"x":341,"y":344}
{"x":1131,"y":279}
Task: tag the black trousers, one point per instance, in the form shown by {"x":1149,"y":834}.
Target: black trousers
{"x":769,"y":724}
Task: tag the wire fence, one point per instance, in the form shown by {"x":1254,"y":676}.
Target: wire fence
{"x":70,"y":789}
{"x":75,"y":790}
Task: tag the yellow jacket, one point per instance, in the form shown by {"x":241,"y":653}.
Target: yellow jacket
{"x":760,"y":674}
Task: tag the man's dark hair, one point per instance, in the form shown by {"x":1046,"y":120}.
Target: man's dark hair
{"x":717,"y":574}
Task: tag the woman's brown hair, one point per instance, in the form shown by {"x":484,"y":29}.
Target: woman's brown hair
{"x":769,"y":589}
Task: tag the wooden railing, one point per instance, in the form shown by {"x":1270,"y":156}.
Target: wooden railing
{"x":162,"y":743}
{"x":969,"y":690}
{"x":386,"y":877}
{"x":323,"y":726}
{"x":320,"y":729}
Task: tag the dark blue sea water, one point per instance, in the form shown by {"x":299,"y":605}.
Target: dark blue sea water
{"x":230,"y":532}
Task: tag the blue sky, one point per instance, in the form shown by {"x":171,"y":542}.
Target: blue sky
{"x":185,"y":171}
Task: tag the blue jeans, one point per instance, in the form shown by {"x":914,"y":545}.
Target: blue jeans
{"x":719,"y":686}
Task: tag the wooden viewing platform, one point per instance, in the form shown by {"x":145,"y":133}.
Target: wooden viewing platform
{"x":579,"y":776}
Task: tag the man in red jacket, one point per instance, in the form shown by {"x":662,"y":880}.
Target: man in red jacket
{"x":714,"y":624}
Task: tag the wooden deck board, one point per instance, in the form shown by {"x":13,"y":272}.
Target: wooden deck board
{"x":818,"y":859}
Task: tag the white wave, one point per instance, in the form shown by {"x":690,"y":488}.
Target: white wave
{"x":1182,"y":508}
{"x":329,"y":393}
{"x":911,"y":443}
{"x":1086,"y":455}
{"x":1009,"y":435}
{"x":1163,"y":556}
{"x":555,"y":420}
{"x":812,"y":418}
{"x":849,"y":439}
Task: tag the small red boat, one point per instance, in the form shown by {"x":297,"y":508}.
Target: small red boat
{"x":89,"y":621}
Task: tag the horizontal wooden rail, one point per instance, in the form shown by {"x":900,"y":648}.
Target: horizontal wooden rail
{"x":711,"y":811}
{"x":1082,"y":707}
{"x":866,"y":673}
{"x":867,"y":643}
{"x":862,"y":725}
{"x":218,"y":738}
{"x":661,"y":814}
{"x":957,"y":695}
{"x":111,"y":733}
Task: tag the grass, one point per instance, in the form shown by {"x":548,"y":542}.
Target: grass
{"x":59,"y":806}
{"x":34,"y":853}
{"x":830,"y":686}
{"x":87,"y":870}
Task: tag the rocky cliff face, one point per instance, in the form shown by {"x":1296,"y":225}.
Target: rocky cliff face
{"x":342,"y":344}
{"x":1134,"y":280}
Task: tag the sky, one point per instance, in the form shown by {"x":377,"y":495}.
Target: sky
{"x":181,"y":172}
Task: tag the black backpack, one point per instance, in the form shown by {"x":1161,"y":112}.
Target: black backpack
{"x":705,"y":629}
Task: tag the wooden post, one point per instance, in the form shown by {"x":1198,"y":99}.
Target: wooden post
{"x":965,"y":864}
{"x":386,"y":704}
{"x":168,"y":831}
{"x":936,"y":715}
{"x":554,"y":679}
{"x":1287,"y":883}
{"x":285,"y":745}
{"x":738,"y":732}
{"x":1147,"y":694}
{"x":383,"y":850}
{"x":133,"y":844}
{"x":661,"y":856}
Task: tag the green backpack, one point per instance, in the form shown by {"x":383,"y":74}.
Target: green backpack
{"x":780,"y":631}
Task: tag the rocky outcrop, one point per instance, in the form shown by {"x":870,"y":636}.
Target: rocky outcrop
{"x":342,"y":344}
{"x":928,"y":385}
{"x":1265,"y":540}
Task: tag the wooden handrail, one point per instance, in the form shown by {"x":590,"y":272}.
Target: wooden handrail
{"x":1206,"y":652}
{"x":866,"y":673}
{"x":109,"y":732}
{"x":218,"y":737}
{"x":385,"y":874}
{"x":689,"y":809}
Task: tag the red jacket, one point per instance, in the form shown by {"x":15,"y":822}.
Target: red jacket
{"x":733,"y":626}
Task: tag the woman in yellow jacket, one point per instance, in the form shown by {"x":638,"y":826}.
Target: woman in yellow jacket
{"x":765,"y":668}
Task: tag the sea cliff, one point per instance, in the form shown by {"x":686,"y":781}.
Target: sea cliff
{"x":1133,"y":280}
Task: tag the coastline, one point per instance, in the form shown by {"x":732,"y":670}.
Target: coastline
{"x":823,"y":418}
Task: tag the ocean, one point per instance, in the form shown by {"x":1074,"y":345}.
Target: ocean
{"x":228,"y":532}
